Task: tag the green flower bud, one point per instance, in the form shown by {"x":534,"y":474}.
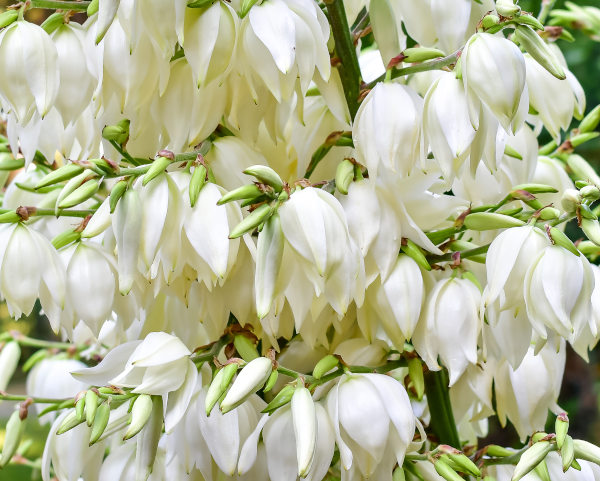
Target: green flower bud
{"x":325,"y":365}
{"x":91,"y":405}
{"x":398,"y":474}
{"x":80,"y":406}
{"x":36,"y":357}
{"x":271,"y":381}
{"x":200,"y":3}
{"x":571,"y":200}
{"x":415,"y":372}
{"x":118,"y":133}
{"x":413,"y":251}
{"x":54,"y":21}
{"x":157,"y":168}
{"x":549,"y":213}
{"x":481,"y":221}
{"x":283,"y":397}
{"x":219,"y":385}
{"x":8,"y":17}
{"x":590,"y":227}
{"x":65,"y":238}
{"x":586,"y":212}
{"x":586,"y":451}
{"x":10,"y":217}
{"x":498,"y":451}
{"x":93,"y":7}
{"x":528,"y":20}
{"x":245,"y":347}
{"x":490,"y":21}
{"x":116,"y":193}
{"x":249,"y":191}
{"x":508,"y":150}
{"x":100,"y":422}
{"x":197,"y":181}
{"x":265,"y":175}
{"x":464,"y":464}
{"x":140,"y":414}
{"x":80,"y":194}
{"x":445,"y":471}
{"x":582,"y":170}
{"x":246,"y":6}
{"x":65,"y":172}
{"x":421,"y":54}
{"x":8,"y":162}
{"x":541,"y":470}
{"x":70,"y":421}
{"x":507,"y":8}
{"x":590,"y":121}
{"x":579,"y":139}
{"x":567,"y":453}
{"x":256,"y":217}
{"x":344,"y":176}
{"x":536,"y":188}
{"x":539,"y":50}
{"x":250,"y":379}
{"x":12,"y":437}
{"x":531,"y":458}
{"x":559,"y":238}
{"x":561,"y":427}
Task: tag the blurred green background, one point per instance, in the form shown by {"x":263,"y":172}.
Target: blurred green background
{"x":581,"y":387}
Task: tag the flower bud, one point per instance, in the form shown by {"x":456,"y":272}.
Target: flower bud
{"x":140,"y":415}
{"x":559,"y":238}
{"x":271,"y":381}
{"x":325,"y":365}
{"x":571,"y":200}
{"x":65,"y":172}
{"x":249,"y":191}
{"x":344,"y":175}
{"x":147,"y":441}
{"x":586,"y":451}
{"x":421,"y":54}
{"x":582,"y":170}
{"x":531,"y":458}
{"x":36,"y":357}
{"x":91,"y":405}
{"x":539,"y":50}
{"x":8,"y":17}
{"x":507,"y":8}
{"x":490,"y":21}
{"x":445,"y":471}
{"x":69,"y":422}
{"x":53,"y":22}
{"x":116,"y":193}
{"x":464,"y":464}
{"x":415,"y":372}
{"x":265,"y":175}
{"x":9,"y":359}
{"x":490,"y":221}
{"x":549,"y":213}
{"x":305,"y":428}
{"x":580,"y":139}
{"x":197,"y":181}
{"x":252,"y":221}
{"x":567,"y":453}
{"x":219,"y":385}
{"x":158,"y":167}
{"x":118,"y":133}
{"x":283,"y":397}
{"x":100,"y":422}
{"x":590,"y":121}
{"x":250,"y":379}
{"x":92,"y":8}
{"x":65,"y":238}
{"x":268,"y":264}
{"x":8,"y":162}
{"x":413,"y":251}
{"x":591,"y":228}
{"x":80,"y":194}
{"x":245,"y":347}
{"x":12,"y":437}
{"x":590,"y":192}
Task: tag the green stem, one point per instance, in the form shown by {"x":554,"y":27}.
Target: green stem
{"x":464,"y":254}
{"x":513,"y":459}
{"x":344,"y":47}
{"x":24,"y":397}
{"x":123,"y":152}
{"x":436,"y":64}
{"x":438,"y":400}
{"x":60,"y":4}
{"x":62,"y":213}
{"x":547,"y":6}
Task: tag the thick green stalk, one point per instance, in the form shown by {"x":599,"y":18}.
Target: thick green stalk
{"x":344,"y":47}
{"x":547,"y":6}
{"x":438,"y":400}
{"x":60,"y":4}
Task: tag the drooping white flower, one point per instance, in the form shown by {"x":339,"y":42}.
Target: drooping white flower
{"x":557,"y":289}
{"x":386,"y":21}
{"x":387,"y":133}
{"x":450,"y":326}
{"x":525,"y":394}
{"x":368,"y":413}
{"x":494,"y":73}
{"x":30,"y":62}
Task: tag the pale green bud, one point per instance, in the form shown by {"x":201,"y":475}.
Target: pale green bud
{"x":507,"y":8}
{"x":100,"y":422}
{"x":528,"y":20}
{"x":539,"y":50}
{"x":586,"y":451}
{"x":582,"y":138}
{"x":490,"y":21}
{"x":421,"y":54}
{"x":116,"y":193}
{"x":413,"y":251}
{"x":9,"y":360}
{"x":219,"y":385}
{"x":481,"y":221}
{"x":197,"y":181}
{"x":344,"y":175}
{"x":415,"y":372}
{"x":157,"y":168}
{"x":325,"y":365}
{"x":12,"y":437}
{"x":250,"y":379}
{"x":252,"y":221}
{"x":70,"y":421}
{"x":92,"y":7}
{"x":541,"y":470}
{"x":465,"y":464}
{"x":567,"y":453}
{"x":54,"y":21}
{"x":245,"y":347}
{"x":590,"y":121}
{"x":246,"y":6}
{"x":445,"y":471}
{"x":65,"y":172}
{"x":271,"y":381}
{"x":590,"y":192}
{"x":36,"y":357}
{"x":91,"y":405}
{"x":65,"y":238}
{"x":581,"y":169}
{"x":140,"y":414}
{"x":591,"y":228}
{"x":265,"y":175}
{"x":304,"y":419}
{"x":549,"y":213}
{"x":118,"y":133}
{"x":249,"y":191}
{"x":571,"y":200}
{"x":80,"y":194}
{"x":8,"y":17}
{"x":10,"y":217}
{"x":531,"y":458}
{"x":508,"y":150}
{"x":283,"y":397}
{"x":8,"y":162}
{"x":559,"y":238}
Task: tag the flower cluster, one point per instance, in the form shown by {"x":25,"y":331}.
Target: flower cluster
{"x":280,"y":243}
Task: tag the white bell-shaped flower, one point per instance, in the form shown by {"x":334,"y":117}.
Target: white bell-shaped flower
{"x":450,"y":326}
{"x":558,"y":288}
{"x":30,"y":60}
{"x":494,"y":73}
{"x":386,"y":21}
{"x":387,"y":132}
{"x":368,"y":413}
{"x":525,"y":394}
